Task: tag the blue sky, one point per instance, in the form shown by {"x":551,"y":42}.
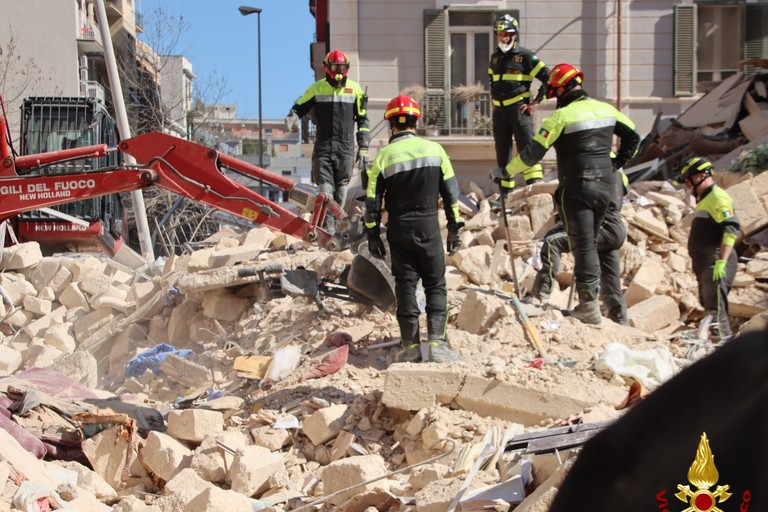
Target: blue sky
{"x":219,"y":41}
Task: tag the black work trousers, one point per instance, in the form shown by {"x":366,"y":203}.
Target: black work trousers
{"x":509,"y":122}
{"x":417,"y":253}
{"x":610,"y":238}
{"x":583,"y":205}
{"x":331,"y":170}
{"x":714,"y":295}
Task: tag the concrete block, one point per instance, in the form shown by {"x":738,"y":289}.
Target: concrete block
{"x":61,"y":337}
{"x":324,"y":424}
{"x":270,"y":438}
{"x":19,"y":319}
{"x":664,"y":200}
{"x":259,"y":238}
{"x":647,"y":278}
{"x":47,"y":293}
{"x":480,"y":220}
{"x":50,"y":272}
{"x":178,"y":323}
{"x":194,"y":424}
{"x":540,"y":208}
{"x":143,"y":292}
{"x":124,"y":346}
{"x":164,"y":455}
{"x":210,"y":461}
{"x":40,"y":355}
{"x":91,"y":322}
{"x":519,"y":228}
{"x":524,"y":404}
{"x":750,"y":211}
{"x":89,"y":480}
{"x":198,"y":260}
{"x":81,"y":265}
{"x":413,"y":387}
{"x":351,"y":471}
{"x":10,"y":360}
{"x":23,"y":255}
{"x":252,"y":468}
{"x":36,"y":305}
{"x":474,"y":262}
{"x":234,"y":255}
{"x":16,"y":287}
{"x":187,"y":373}
{"x":36,"y":327}
{"x":214,"y":499}
{"x":106,"y":451}
{"x":647,"y":220}
{"x":181,"y":489}
{"x":436,"y":496}
{"x":479,"y":311}
{"x":81,"y":366}
{"x":222,"y":305}
{"x":72,"y":297}
{"x":653,"y":313}
{"x":94,"y":283}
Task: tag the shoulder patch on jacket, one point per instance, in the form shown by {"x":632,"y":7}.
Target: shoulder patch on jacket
{"x":544,"y":132}
{"x":348,"y":90}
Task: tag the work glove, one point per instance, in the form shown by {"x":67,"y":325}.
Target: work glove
{"x":718,"y":273}
{"x":453,"y":241}
{"x":292,"y":122}
{"x":375,"y":243}
{"x":500,"y":176}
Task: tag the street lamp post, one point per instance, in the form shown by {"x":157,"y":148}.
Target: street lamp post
{"x":245,"y":11}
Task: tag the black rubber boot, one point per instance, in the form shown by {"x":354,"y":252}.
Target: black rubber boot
{"x":588,"y":310}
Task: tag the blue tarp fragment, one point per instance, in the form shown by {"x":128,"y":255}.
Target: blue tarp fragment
{"x":152,"y":359}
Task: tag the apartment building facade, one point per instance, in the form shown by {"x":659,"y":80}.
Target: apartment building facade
{"x":644,"y":56}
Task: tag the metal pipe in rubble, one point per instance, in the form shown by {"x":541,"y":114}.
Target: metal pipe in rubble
{"x":118,"y":101}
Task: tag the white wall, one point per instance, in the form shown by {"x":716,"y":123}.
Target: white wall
{"x":45,"y":61}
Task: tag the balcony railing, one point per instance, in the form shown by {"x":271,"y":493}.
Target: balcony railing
{"x":457,"y":114}
{"x":91,"y":89}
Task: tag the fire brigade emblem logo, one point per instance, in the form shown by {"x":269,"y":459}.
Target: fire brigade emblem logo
{"x":703,"y":475}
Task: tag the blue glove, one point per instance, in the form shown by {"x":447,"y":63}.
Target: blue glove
{"x":375,"y":243}
{"x":718,"y":273}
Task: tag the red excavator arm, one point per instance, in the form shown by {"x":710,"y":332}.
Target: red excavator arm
{"x":183,"y":167}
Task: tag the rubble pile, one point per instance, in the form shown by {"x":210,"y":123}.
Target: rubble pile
{"x":199,"y":384}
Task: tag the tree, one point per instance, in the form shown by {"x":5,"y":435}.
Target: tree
{"x":142,"y":67}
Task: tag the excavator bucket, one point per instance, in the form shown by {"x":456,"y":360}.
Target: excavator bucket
{"x":367,"y":277}
{"x":371,"y":279}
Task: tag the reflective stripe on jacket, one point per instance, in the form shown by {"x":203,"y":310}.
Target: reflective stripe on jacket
{"x":715,"y":218}
{"x":412,"y":173}
{"x":582,"y":133}
{"x":337,"y":109}
{"x":511,"y":74}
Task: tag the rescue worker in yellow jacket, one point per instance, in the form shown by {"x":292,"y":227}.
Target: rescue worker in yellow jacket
{"x":714,"y":231}
{"x":409,"y":176}
{"x":338,"y":103}
{"x":581,"y":129}
{"x":511,"y":72}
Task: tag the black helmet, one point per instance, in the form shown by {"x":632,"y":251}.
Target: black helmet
{"x":507,"y":24}
{"x":692,"y":166}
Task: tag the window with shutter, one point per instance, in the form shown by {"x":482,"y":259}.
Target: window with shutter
{"x":435,"y":67}
{"x":685,"y":50}
{"x":755,"y":45}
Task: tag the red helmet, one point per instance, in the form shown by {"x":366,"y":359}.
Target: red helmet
{"x":561,"y":78}
{"x":336,"y":65}
{"x":402,"y":105}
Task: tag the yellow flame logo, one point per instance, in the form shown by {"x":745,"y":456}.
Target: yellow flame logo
{"x":703,"y":475}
